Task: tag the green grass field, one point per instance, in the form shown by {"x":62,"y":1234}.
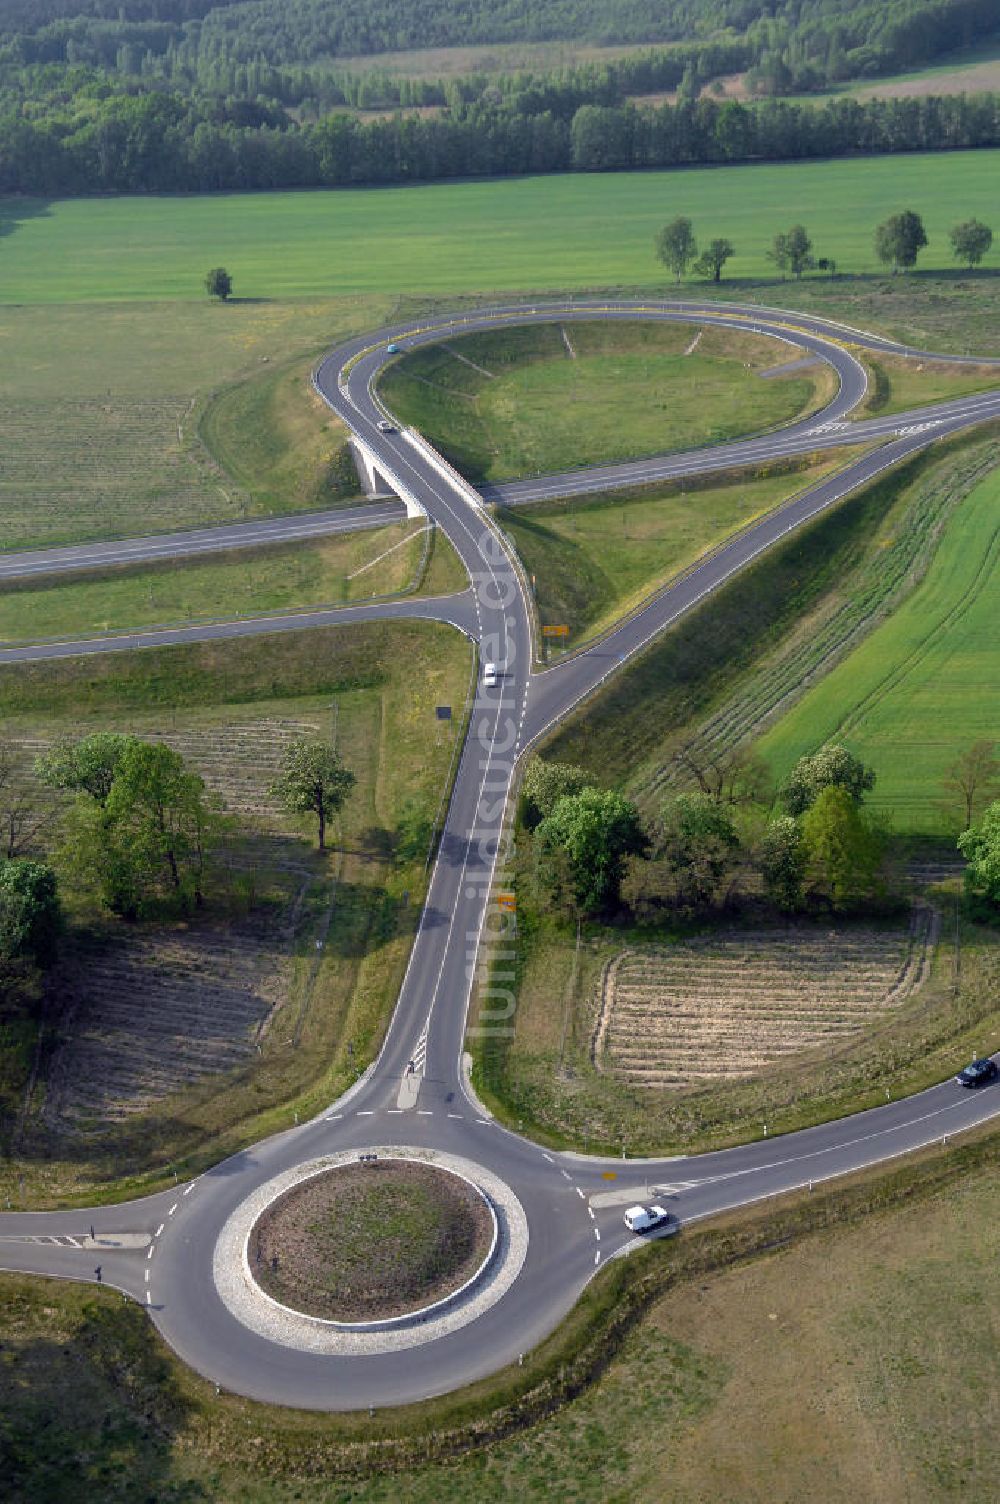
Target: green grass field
{"x":726,"y":671}
{"x":593,"y":560}
{"x":143,"y":418}
{"x":564,"y":231}
{"x":922,"y":687}
{"x":531,"y":401}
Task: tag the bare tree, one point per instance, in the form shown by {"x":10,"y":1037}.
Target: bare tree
{"x":734,"y":775}
{"x":23,"y":821}
{"x":973,"y":780}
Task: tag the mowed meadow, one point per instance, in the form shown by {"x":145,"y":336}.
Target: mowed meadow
{"x":585,"y":230}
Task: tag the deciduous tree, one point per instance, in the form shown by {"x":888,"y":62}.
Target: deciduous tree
{"x":596,"y":830}
{"x":23,"y":820}
{"x":830,"y":767}
{"x":970,"y":241}
{"x":545,"y":783}
{"x":729,"y":775}
{"x":313,"y":781}
{"x":713,"y":258}
{"x":695,"y":840}
{"x":973,"y":780}
{"x":676,"y":246}
{"x":900,"y":239}
{"x":792,"y":251}
{"x":218,"y":283}
{"x":87,"y":766}
{"x":843,"y":851}
{"x":30,"y":912}
{"x":980,"y":845}
{"x":783,"y":862}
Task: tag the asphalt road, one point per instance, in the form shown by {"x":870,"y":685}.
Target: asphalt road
{"x":160,"y":1249}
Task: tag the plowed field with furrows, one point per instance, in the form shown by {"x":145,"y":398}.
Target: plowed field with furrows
{"x":149,"y":1016}
{"x":90,"y":469}
{"x":239,"y":760}
{"x":144,"y":1015}
{"x":726,"y":1007}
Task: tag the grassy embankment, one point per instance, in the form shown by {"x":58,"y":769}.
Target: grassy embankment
{"x":331,"y":572}
{"x":594,"y":559}
{"x":576,"y":231}
{"x":897,"y":383}
{"x":862,"y":1318}
{"x":229,"y":707}
{"x":529,"y":401}
{"x":715,"y":679}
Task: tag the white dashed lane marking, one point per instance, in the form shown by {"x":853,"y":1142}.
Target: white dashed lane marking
{"x":173,"y":1209}
{"x":159,"y":1229}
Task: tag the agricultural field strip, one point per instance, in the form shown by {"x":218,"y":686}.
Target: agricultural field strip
{"x":778,"y":679}
{"x":727,"y":1007}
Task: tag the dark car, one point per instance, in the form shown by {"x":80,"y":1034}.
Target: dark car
{"x":978,"y":1072}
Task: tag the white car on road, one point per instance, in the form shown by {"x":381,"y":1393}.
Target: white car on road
{"x":490,"y":676}
{"x":646,"y":1218}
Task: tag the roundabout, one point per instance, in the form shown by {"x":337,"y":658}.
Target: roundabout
{"x":189,"y":1254}
{"x":372,"y":1252}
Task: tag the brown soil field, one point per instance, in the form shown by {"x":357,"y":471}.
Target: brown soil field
{"x":367,"y":1242}
{"x":145,"y":1011}
{"x":727,"y":1006}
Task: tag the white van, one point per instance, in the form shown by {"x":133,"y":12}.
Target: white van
{"x":645,"y":1218}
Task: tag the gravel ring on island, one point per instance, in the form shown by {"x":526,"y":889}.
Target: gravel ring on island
{"x":253,"y":1308}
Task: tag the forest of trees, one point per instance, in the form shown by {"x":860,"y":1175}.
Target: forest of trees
{"x":160,"y":142}
{"x":129,"y":96}
{"x":796,"y":43}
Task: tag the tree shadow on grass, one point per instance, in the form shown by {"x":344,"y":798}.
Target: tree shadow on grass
{"x":93,"y":1414}
{"x":17,"y":211}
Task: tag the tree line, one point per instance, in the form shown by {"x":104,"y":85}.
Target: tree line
{"x":898,"y":242}
{"x":164,"y":142}
{"x":725,"y":841}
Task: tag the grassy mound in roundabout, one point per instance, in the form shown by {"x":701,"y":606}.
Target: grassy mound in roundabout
{"x":371,"y":1241}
